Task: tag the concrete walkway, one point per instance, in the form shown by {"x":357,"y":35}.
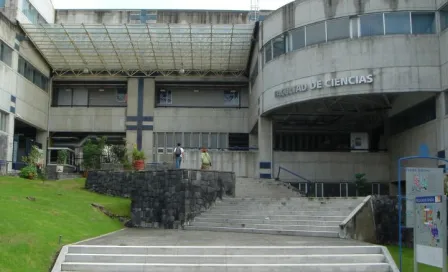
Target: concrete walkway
{"x":158,"y":237}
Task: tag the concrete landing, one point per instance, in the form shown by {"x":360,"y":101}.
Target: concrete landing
{"x":160,"y":237}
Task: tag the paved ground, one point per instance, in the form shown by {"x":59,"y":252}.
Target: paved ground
{"x":157,"y":237}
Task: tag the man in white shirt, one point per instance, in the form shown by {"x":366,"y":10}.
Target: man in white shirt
{"x":178,"y":155}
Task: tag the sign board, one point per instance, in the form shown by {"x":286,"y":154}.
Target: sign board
{"x":320,"y":84}
{"x":421,"y":182}
{"x":430,"y":231}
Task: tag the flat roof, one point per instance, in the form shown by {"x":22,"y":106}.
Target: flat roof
{"x":146,"y":48}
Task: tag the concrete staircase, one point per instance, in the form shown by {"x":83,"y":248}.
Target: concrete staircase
{"x":317,"y":217}
{"x":249,"y":187}
{"x":225,"y":259}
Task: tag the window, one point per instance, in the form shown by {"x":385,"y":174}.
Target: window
{"x":170,"y":140}
{"x":161,"y":139}
{"x":372,"y":24}
{"x":338,"y":29}
{"x":315,"y":33}
{"x":279,"y":46}
{"x":2,"y":3}
{"x":6,"y":53}
{"x":398,"y":23}
{"x":187,"y":140}
{"x":195,"y":140}
{"x":231,"y":98}
{"x":204,"y":140}
{"x":64,"y":97}
{"x":3,"y":119}
{"x":222,"y":141}
{"x":238,"y":141}
{"x":443,"y":20}
{"x":31,"y":13}
{"x":121,"y":95}
{"x":268,"y":52}
{"x":32,"y":74}
{"x":165,"y":97}
{"x":178,"y":138}
{"x":214,"y":140}
{"x":423,"y":23}
{"x":298,"y":38}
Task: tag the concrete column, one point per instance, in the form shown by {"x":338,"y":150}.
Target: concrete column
{"x":131,"y":112}
{"x":265,"y":145}
{"x":42,"y":138}
{"x":148,"y":118}
{"x":440,"y":127}
{"x":10,"y":143}
{"x":140,"y":114}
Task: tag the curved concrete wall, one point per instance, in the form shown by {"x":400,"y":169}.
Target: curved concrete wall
{"x":397,"y":63}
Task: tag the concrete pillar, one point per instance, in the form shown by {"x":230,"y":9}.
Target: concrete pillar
{"x":265,"y":145}
{"x":140,"y":115}
{"x":10,"y":144}
{"x":148,"y":118}
{"x":440,"y":127}
{"x":42,"y":138}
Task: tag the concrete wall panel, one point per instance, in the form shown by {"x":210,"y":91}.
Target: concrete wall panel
{"x":398,"y":63}
{"x":407,"y":144}
{"x":201,"y":120}
{"x":87,"y":119}
{"x":334,"y":166}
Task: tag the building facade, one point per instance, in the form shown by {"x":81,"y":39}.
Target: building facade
{"x":323,"y":89}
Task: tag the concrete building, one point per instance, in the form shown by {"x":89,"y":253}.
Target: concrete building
{"x":325,"y":89}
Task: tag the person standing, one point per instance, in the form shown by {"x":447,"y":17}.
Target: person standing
{"x":178,"y":155}
{"x":206,"y":161}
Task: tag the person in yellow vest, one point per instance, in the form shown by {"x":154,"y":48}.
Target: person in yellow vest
{"x":206,"y":161}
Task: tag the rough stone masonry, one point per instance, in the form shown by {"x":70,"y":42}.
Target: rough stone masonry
{"x":164,"y":198}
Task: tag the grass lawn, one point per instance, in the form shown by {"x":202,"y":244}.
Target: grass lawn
{"x":408,"y":260}
{"x":30,"y":230}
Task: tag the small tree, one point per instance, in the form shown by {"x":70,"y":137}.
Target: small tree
{"x":62,"y":157}
{"x":92,"y":152}
{"x":361,"y":184}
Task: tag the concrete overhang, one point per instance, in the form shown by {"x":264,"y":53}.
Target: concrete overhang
{"x":143,"y":49}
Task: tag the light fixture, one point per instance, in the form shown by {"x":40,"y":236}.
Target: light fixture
{"x":182,"y":71}
{"x":85,"y":71}
{"x":101,"y":90}
{"x":233,"y":91}
{"x":196,"y":91}
{"x":162,"y":90}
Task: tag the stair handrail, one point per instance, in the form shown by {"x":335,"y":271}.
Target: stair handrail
{"x":355,"y":211}
{"x":309,"y":182}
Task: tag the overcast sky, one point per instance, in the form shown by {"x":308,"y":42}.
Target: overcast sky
{"x":167,"y":4}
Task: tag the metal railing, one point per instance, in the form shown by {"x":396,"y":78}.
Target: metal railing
{"x":332,"y":188}
{"x":308,"y":183}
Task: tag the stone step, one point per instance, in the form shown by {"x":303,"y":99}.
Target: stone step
{"x":280,"y":209}
{"x":273,"y":217}
{"x":333,"y":228}
{"x":267,"y":221}
{"x":311,"y":233}
{"x":224,"y":259}
{"x":121,"y":267}
{"x":285,"y":212}
{"x":223,"y":250}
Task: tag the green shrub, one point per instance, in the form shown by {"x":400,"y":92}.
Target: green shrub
{"x":29,"y":172}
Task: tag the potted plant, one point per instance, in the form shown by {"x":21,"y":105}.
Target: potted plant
{"x":138,"y":159}
{"x":61,"y":160}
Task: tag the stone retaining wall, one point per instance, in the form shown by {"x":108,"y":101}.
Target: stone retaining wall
{"x":164,"y":198}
